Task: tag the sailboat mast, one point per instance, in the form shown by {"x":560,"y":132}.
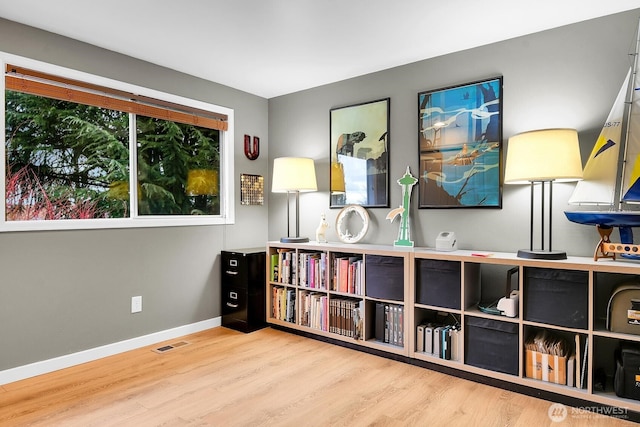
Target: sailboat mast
{"x":626,"y":125}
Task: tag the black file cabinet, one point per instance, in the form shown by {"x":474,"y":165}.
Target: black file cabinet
{"x":243,"y":289}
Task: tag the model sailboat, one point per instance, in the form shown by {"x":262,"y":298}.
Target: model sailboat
{"x":606,"y":175}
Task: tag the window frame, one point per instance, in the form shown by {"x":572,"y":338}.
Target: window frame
{"x":226,"y":172}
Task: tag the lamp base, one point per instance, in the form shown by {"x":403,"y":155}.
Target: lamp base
{"x":541,"y":254}
{"x":294,"y":239}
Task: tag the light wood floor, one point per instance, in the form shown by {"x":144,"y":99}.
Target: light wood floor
{"x":266,"y":378}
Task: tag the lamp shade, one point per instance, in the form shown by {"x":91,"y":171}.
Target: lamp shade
{"x":293,"y":174}
{"x":543,"y":155}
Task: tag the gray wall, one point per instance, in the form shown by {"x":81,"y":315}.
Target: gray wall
{"x":67,"y":291}
{"x":565,"y":77}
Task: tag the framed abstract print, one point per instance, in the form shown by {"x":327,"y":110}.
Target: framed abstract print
{"x":460,"y":146}
{"x":359,"y":155}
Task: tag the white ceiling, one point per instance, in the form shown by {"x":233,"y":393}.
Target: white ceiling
{"x":275,"y":47}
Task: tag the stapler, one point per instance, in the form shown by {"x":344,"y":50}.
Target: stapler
{"x":508,"y":306}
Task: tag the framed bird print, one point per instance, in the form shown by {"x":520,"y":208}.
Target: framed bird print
{"x":460,"y":146}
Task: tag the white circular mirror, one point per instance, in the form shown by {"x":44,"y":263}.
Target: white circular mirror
{"x":352,"y":223}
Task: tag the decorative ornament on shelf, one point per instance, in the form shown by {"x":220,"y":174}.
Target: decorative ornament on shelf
{"x":342,"y":223}
{"x":404,"y":233}
{"x":321,"y":231}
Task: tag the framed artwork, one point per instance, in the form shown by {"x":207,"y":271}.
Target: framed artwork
{"x":359,"y":155}
{"x":460,"y":146}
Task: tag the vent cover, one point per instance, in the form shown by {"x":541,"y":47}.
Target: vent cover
{"x":169,"y":347}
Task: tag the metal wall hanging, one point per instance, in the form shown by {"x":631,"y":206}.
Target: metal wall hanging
{"x":251,"y":189}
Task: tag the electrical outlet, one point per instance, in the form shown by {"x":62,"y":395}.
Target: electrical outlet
{"x":136,"y":304}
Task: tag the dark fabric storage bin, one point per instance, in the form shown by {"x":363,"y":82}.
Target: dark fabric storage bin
{"x":384,"y":277}
{"x":627,"y":368}
{"x":438,"y":283}
{"x":556,"y":297}
{"x":491,"y":344}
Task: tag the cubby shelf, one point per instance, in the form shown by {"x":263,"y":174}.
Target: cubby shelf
{"x":425,"y":284}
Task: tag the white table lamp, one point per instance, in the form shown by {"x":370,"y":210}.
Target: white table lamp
{"x":293,"y":175}
{"x":543,"y":156}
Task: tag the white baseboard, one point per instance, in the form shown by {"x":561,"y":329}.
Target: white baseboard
{"x":68,"y":360}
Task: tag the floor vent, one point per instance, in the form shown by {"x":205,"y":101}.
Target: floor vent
{"x":168,"y":347}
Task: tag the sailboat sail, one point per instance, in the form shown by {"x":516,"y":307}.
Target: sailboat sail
{"x":631,"y":178}
{"x":601,"y":170}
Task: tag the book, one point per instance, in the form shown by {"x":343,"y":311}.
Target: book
{"x":446,"y":343}
{"x":387,"y":323}
{"x":400,"y":326}
{"x":436,"y":341}
{"x":351,"y":274}
{"x":455,"y":343}
{"x":323,"y":270}
{"x":571,"y":370}
{"x":393,"y":338}
{"x":274,"y":268}
{"x":420,"y":338}
{"x":577,"y":339}
{"x":428,"y":339}
{"x":302,"y":313}
{"x":348,"y":312}
{"x":302,"y":268}
{"x":343,"y":267}
{"x":583,"y":374}
{"x":358,"y":316}
{"x":325,"y":311}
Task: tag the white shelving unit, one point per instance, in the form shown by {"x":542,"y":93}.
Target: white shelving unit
{"x":594,"y":283}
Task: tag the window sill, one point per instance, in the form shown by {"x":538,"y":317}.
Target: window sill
{"x":92,"y":224}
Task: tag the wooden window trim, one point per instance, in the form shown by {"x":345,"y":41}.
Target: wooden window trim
{"x":37,"y":83}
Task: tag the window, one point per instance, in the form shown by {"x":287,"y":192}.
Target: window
{"x":85,"y":152}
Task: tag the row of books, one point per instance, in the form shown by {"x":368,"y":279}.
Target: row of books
{"x":283,"y":267}
{"x":283,"y":304}
{"x":313,"y":270}
{"x":439,"y":340}
{"x":309,"y":270}
{"x":346,"y":317}
{"x":314,"y":310}
{"x":347,"y":274}
{"x":389,"y":323}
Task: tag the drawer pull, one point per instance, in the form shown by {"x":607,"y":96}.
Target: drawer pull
{"x":232,"y":305}
{"x":233,"y":273}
